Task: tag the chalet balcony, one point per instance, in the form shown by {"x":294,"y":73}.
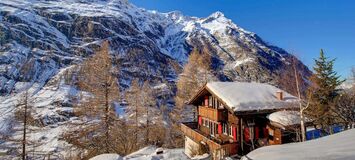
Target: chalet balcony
{"x":190,"y":129}
{"x":213,"y":114}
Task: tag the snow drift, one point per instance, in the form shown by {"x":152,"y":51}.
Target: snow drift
{"x":340,"y":146}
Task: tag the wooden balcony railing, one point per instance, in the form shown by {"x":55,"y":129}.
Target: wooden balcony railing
{"x":190,"y":130}
{"x":213,"y":114}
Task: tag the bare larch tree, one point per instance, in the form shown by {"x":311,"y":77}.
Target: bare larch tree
{"x":96,"y":108}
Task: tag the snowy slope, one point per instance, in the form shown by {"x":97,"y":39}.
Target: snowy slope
{"x":340,"y":146}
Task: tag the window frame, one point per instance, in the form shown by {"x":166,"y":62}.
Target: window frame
{"x":230,"y":133}
{"x":225,"y":128}
{"x":209,"y":101}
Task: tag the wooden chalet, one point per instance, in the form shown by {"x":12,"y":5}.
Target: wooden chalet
{"x":232,"y":118}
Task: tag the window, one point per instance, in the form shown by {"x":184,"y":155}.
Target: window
{"x":230,"y":131}
{"x":210,"y":101}
{"x":213,"y":128}
{"x":225,"y":128}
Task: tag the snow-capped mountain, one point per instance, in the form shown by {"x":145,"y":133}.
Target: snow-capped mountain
{"x":41,"y":41}
{"x":51,"y":35}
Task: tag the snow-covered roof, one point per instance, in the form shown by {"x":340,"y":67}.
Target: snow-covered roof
{"x":285,"y":118}
{"x":245,"y":96}
{"x":340,"y":146}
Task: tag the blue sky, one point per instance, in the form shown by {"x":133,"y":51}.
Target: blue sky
{"x":301,"y":27}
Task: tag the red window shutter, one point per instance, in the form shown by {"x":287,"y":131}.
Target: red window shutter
{"x":206,"y":100}
{"x":246,"y":134}
{"x":199,"y":120}
{"x":219,"y":128}
{"x":234,"y":133}
{"x":256,"y":132}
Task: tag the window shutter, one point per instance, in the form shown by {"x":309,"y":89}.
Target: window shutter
{"x":199,"y":120}
{"x":219,"y":128}
{"x":234,"y":133}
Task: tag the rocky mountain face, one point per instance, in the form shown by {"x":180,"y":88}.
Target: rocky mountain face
{"x":51,"y":35}
{"x":41,"y":41}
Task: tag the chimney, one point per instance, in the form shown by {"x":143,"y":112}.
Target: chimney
{"x":279,"y":95}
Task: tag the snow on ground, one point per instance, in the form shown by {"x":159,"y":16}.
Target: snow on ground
{"x":285,"y":118}
{"x":149,"y":153}
{"x":204,"y":156}
{"x":242,"y":96}
{"x":340,"y":146}
{"x":50,"y":106}
{"x":107,"y":157}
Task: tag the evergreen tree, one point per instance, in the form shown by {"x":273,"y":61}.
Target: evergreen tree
{"x":324,"y":90}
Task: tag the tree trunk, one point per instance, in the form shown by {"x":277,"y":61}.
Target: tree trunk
{"x":24,"y":130}
{"x":303,"y":132}
{"x":136,"y":132}
{"x":107,"y":119}
{"x":147,"y":125}
{"x":303,"y":128}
